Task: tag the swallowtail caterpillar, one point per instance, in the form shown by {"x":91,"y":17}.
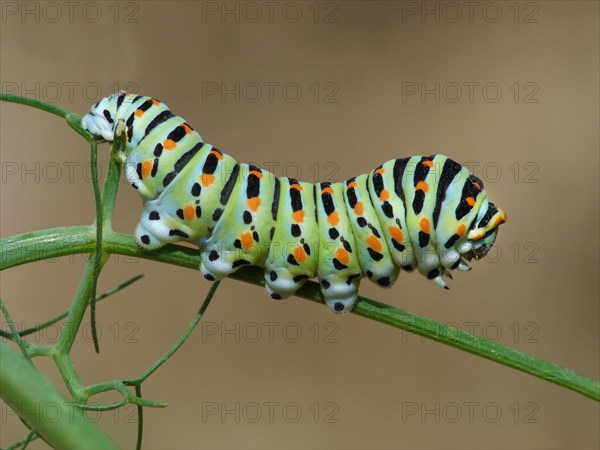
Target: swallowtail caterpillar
{"x":427,"y":213}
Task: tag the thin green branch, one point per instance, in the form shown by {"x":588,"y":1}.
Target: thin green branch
{"x":82,"y":394}
{"x":23,"y":345}
{"x":65,"y":367}
{"x":107,"y":407}
{"x":105,"y":203}
{"x":139,"y":380}
{"x":77,"y":310}
{"x":81,"y":239}
{"x":55,"y":319}
{"x":73,"y":120}
{"x":140,"y":414}
{"x":22,"y":445}
{"x":118,"y":386}
{"x":48,"y":107}
{"x":98,"y":253}
{"x":109,"y":194}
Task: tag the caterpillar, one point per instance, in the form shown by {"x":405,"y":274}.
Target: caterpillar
{"x":427,"y":213}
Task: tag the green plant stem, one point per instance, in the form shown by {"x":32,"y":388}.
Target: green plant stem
{"x":105,"y":203}
{"x":23,"y":345}
{"x":43,"y":408}
{"x":48,"y":107}
{"x":140,"y":414}
{"x":99,"y":222}
{"x":77,"y":310}
{"x":73,"y":120}
{"x":22,"y":445}
{"x":17,"y":250}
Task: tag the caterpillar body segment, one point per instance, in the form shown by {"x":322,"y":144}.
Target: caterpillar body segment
{"x":338,"y":270}
{"x":391,"y":211}
{"x":374,"y":253}
{"x":242,"y":234}
{"x":294,"y":250}
{"x":424,"y":212}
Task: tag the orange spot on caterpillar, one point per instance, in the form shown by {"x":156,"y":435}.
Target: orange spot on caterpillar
{"x":422,"y":186}
{"x":327,"y":190}
{"x":352,"y":185}
{"x":462,"y":228}
{"x":187,"y":129}
{"x":298,"y":216}
{"x":207,"y":179}
{"x":477,"y":185}
{"x":374,"y":243}
{"x":169,"y":144}
{"x":139,"y":113}
{"x":189,"y":212}
{"x":397,"y":234}
{"x":470,"y":201}
{"x":424,"y":224}
{"x":247,"y":240}
{"x":428,"y":163}
{"x":478,"y":235}
{"x":155,"y":102}
{"x":146,"y":168}
{"x":342,"y":255}
{"x":333,"y":218}
{"x":300,"y":254}
{"x":253,"y":203}
{"x":256,"y":173}
{"x":296,"y":186}
{"x":359,"y":208}
{"x":384,"y":195}
{"x":217,"y":154}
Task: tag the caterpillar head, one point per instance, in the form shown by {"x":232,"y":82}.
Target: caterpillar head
{"x":101,"y":121}
{"x":484,"y":231}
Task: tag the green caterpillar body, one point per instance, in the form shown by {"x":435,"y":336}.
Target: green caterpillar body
{"x":424,"y":212}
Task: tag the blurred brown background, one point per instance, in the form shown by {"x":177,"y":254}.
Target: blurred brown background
{"x":325,"y":90}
